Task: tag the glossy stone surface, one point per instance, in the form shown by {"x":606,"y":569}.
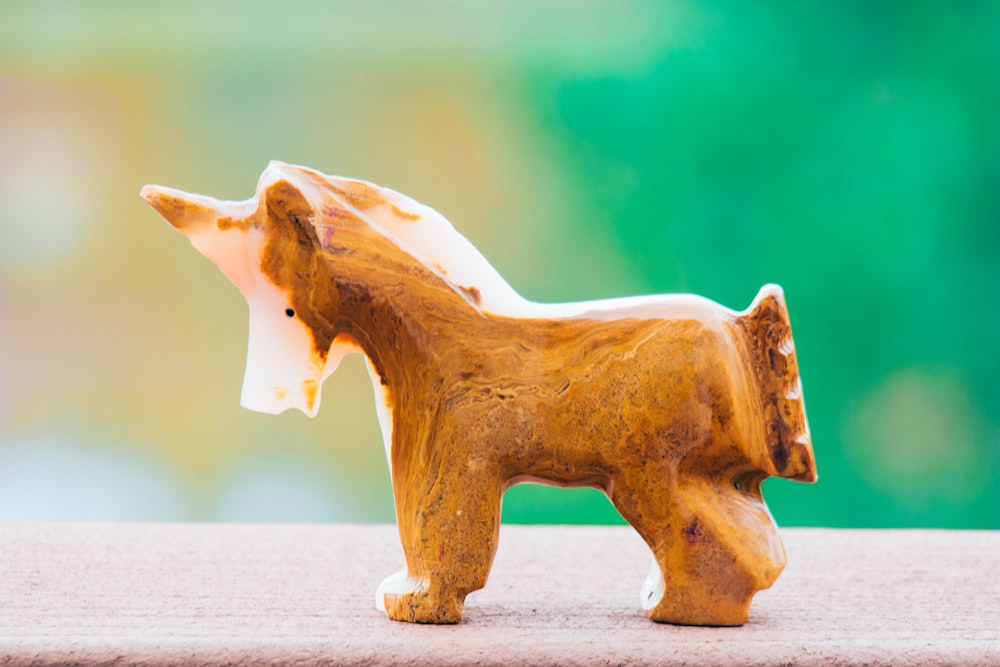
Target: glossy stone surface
{"x":676,"y":407}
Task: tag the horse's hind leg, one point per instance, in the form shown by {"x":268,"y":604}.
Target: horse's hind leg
{"x":703,"y":573}
{"x":703,"y":582}
{"x":449,"y":531}
{"x":722,"y":551}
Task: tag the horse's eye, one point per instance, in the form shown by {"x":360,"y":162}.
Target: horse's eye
{"x":289,"y":312}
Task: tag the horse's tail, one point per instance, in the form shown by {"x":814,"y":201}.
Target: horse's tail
{"x":768,"y":332}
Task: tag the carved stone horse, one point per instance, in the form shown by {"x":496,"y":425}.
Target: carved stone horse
{"x":674,"y":406}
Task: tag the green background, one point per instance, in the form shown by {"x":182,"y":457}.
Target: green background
{"x":849,"y":151}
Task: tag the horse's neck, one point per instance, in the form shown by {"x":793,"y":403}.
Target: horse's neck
{"x":404,"y":317}
{"x":400,"y":312}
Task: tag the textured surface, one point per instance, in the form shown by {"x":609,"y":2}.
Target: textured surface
{"x":216,"y":594}
{"x":673,"y":405}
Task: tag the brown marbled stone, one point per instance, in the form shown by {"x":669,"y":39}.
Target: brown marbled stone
{"x":677,"y":408}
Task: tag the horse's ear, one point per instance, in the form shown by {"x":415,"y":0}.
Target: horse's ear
{"x":285,"y":201}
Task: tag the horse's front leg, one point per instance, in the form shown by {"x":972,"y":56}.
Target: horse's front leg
{"x":448,"y":509}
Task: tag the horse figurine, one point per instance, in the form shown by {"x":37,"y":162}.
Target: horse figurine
{"x":674,"y":406}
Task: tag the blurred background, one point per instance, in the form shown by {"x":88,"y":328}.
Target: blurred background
{"x":849,"y":151}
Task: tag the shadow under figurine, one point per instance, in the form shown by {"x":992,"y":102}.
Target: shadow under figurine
{"x":674,"y":406}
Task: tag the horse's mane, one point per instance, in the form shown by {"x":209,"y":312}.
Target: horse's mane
{"x":430,"y":239}
{"x":418,"y":230}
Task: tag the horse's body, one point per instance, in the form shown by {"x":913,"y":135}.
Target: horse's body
{"x":674,"y":406}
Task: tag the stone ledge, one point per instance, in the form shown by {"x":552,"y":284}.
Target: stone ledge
{"x":210,"y":594}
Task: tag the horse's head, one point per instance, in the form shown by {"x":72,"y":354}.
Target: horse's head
{"x":267,"y":246}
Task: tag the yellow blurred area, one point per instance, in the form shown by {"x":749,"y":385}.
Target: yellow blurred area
{"x":123,"y":348}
